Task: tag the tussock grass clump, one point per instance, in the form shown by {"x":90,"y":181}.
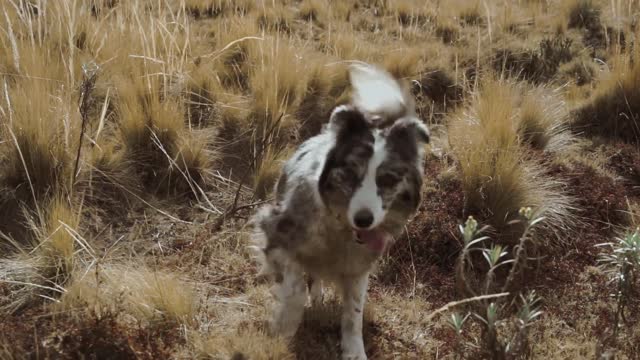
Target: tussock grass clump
{"x":325,"y":87}
{"x":110,"y":182}
{"x":447,"y":31}
{"x":215,"y":8}
{"x":537,"y":65}
{"x":614,"y":109}
{"x":471,"y":14}
{"x":314,"y":10}
{"x":268,"y":172}
{"x":278,"y":85}
{"x":44,"y":263}
{"x":145,"y":294}
{"x":583,"y":14}
{"x":439,"y":90}
{"x":100,"y":7}
{"x":56,"y":242}
{"x":403,"y":63}
{"x":543,"y":121}
{"x":276,"y":18}
{"x":579,"y":71}
{"x":248,"y":343}
{"x":237,"y":42}
{"x":409,"y":13}
{"x":346,"y":45}
{"x":39,"y":137}
{"x":153,"y":132}
{"x":200,"y":99}
{"x":497,"y":177}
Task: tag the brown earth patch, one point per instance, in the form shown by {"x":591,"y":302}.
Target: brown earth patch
{"x":601,"y":205}
{"x":36,"y":334}
{"x":624,"y":161}
{"x":424,"y":257}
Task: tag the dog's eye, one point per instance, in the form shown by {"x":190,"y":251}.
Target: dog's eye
{"x":387,"y":180}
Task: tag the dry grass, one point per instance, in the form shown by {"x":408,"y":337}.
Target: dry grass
{"x":136,"y":291}
{"x":496,"y":175}
{"x":612,"y":112}
{"x":39,"y":269}
{"x":543,"y":121}
{"x":314,"y":10}
{"x":193,"y":97}
{"x":215,"y":8}
{"x":249,"y":343}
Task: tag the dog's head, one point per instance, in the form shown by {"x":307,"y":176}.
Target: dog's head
{"x":372,"y":177}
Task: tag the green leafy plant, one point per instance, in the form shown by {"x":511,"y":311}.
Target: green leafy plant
{"x":504,"y":333}
{"x":622,"y":265}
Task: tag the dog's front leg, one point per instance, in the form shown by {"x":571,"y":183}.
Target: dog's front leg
{"x":354,"y":292}
{"x":290,"y":294}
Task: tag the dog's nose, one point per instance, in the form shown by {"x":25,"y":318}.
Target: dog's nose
{"x":363,"y":218}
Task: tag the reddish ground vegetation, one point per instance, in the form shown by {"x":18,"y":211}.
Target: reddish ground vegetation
{"x":624,"y":161}
{"x":430,"y":244}
{"x":44,"y":336}
{"x":601,"y":204}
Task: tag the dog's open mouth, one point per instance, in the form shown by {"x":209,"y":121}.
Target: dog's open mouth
{"x":375,"y":239}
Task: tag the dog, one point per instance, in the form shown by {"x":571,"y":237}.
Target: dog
{"x":340,"y":201}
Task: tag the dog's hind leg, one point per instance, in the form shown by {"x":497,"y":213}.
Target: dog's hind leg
{"x":315,"y":291}
{"x":354,"y":293}
{"x":290,"y":293}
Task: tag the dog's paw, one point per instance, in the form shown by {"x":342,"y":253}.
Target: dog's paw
{"x":353,"y":350}
{"x":351,"y":356}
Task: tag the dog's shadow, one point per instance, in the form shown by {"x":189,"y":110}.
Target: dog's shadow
{"x":318,"y":337}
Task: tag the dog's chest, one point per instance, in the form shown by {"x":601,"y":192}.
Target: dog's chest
{"x":331,"y":253}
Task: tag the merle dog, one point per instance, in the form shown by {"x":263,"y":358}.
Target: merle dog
{"x":340,"y":201}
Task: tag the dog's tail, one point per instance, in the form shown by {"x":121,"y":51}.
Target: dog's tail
{"x":378,"y":95}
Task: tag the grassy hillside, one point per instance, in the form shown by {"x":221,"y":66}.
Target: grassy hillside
{"x":137,"y":137}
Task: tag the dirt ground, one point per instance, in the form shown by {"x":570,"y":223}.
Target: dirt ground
{"x":158,"y":267}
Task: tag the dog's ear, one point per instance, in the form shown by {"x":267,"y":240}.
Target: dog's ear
{"x":346,"y":120}
{"x":410,"y":128}
{"x":407,"y":136}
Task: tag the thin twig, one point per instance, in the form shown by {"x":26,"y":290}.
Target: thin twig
{"x":230,"y":210}
{"x":86,"y":88}
{"x":464,"y":301}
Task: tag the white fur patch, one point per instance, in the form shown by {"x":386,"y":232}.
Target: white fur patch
{"x":366,"y":196}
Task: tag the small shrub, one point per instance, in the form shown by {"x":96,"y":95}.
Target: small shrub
{"x":622,"y":265}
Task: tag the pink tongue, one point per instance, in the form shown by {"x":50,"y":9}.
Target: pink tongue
{"x":374,"y":239}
